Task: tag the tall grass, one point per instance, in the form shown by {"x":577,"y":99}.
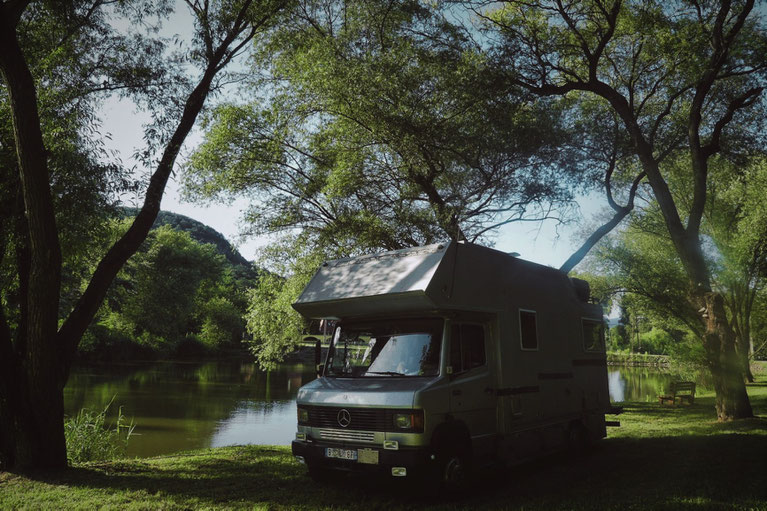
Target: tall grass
{"x":90,"y":438}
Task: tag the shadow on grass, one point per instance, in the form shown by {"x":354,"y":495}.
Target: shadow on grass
{"x":682,"y":472}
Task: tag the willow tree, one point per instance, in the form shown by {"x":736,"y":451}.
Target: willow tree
{"x":640,"y":259}
{"x":35,"y":352}
{"x":681,"y":77}
{"x":384,"y":127}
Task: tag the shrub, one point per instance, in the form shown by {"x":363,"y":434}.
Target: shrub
{"x":89,"y":438}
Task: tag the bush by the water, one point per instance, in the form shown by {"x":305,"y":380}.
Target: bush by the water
{"x":90,"y":438}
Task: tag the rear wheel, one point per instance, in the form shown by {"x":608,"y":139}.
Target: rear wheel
{"x":578,"y":438}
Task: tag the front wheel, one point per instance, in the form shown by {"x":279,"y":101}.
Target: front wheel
{"x":454,"y":471}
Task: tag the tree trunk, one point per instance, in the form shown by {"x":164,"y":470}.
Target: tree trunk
{"x":742,"y":347}
{"x":743,"y":344}
{"x":30,"y":391}
{"x":34,"y":434}
{"x":722,"y":359}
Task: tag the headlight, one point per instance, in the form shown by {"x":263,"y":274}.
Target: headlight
{"x":403,"y":420}
{"x":409,"y":421}
{"x":303,"y":416}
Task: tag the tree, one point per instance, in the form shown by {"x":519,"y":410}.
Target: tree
{"x":176,"y":296}
{"x":679,"y":78}
{"x":384,"y":128}
{"x":167,"y":283}
{"x":738,"y":227}
{"x":640,"y":263}
{"x":35,"y":362}
{"x":640,"y":259}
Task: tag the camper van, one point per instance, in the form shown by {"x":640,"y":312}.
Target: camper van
{"x":447,"y":357}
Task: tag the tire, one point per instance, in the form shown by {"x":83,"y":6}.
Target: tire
{"x":454,"y":471}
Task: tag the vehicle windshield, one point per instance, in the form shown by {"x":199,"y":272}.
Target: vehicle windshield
{"x":386,"y":348}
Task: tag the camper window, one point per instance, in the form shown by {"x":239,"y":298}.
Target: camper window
{"x":467,"y":347}
{"x":528,"y":330}
{"x":593,"y":335}
{"x":386,"y":348}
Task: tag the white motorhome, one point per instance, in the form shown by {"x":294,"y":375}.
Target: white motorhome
{"x":448,"y":356}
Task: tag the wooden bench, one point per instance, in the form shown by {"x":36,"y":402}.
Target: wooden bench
{"x":684,"y":391}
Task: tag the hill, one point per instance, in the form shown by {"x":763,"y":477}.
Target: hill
{"x":202,"y":234}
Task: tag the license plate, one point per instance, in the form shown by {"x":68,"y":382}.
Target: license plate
{"x":343,"y":454}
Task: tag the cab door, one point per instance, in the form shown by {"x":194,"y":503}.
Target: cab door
{"x":472,"y":398}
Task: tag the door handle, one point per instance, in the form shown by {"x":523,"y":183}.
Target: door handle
{"x":456,"y":392}
{"x":489,"y":390}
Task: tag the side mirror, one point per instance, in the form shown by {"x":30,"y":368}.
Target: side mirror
{"x":320,"y":369}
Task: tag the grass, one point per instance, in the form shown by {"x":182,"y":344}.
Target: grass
{"x":661,"y":457}
{"x":90,"y":438}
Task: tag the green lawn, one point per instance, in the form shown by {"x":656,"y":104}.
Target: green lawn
{"x":660,"y":458}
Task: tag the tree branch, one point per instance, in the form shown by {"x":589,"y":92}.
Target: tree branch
{"x":603,"y":230}
{"x":699,"y":154}
{"x":745,"y":100}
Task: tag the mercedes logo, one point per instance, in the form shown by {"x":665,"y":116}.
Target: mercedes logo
{"x":344,"y":417}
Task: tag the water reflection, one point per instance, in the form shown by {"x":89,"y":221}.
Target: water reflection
{"x":637,"y":383}
{"x":178,"y":406}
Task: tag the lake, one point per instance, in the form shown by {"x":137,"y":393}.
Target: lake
{"x":182,"y":406}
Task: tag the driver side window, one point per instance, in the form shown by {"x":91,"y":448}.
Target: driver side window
{"x":467,"y":347}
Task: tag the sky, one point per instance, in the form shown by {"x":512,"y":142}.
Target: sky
{"x":545,"y":243}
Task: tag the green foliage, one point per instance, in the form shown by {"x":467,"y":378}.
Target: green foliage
{"x":375,"y":138}
{"x":199,"y":232}
{"x":602,"y":288}
{"x":275,"y":326}
{"x":167,"y":278}
{"x":175,"y":296}
{"x":222,"y":323}
{"x":641,"y":262}
{"x":380,"y":138}
{"x":619,"y":338}
{"x":655,"y":342}
{"x":76,"y":59}
{"x":90,"y":438}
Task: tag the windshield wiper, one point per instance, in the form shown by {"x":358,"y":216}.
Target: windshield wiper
{"x":386,"y":373}
{"x":336,"y":372}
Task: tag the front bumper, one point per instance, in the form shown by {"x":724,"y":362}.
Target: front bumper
{"x":414,"y":459}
